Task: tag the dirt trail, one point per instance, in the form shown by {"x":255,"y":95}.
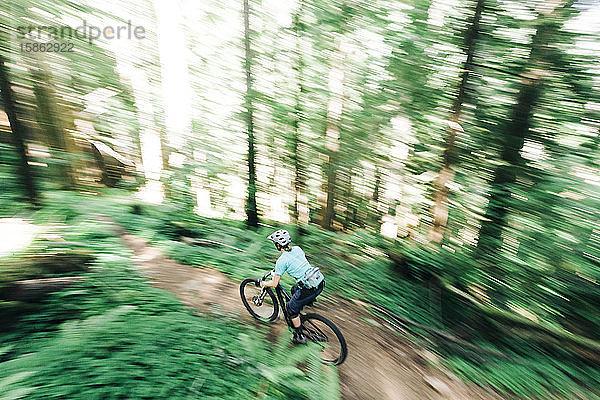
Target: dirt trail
{"x":380,"y":363}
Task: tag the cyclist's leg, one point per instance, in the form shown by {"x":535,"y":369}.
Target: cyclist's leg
{"x":301,"y":298}
{"x":307,"y":297}
{"x":294,"y":307}
{"x":294,"y":289}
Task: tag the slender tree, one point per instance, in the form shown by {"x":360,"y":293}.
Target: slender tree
{"x":517,"y":128}
{"x":334,"y":120}
{"x":446,"y":175}
{"x":19,"y":134}
{"x":51,"y":124}
{"x":373,"y":209}
{"x":251,"y":211}
{"x":299,"y":181}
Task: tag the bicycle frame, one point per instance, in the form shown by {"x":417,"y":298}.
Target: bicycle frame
{"x":282,"y":297}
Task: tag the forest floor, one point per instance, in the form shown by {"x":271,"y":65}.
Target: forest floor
{"x":381,"y":364}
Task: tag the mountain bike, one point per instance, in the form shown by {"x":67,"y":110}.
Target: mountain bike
{"x":264,"y":305}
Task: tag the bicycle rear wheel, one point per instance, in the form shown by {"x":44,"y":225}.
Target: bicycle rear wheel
{"x":322,"y":331}
{"x":261,"y":305}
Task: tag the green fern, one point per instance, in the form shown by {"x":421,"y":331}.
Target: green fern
{"x":8,"y":393}
{"x":280,"y":368}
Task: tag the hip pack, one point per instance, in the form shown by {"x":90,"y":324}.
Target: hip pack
{"x":312,"y":278}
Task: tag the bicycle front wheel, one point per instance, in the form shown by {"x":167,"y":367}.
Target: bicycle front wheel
{"x":322,"y":331}
{"x":262,"y":305}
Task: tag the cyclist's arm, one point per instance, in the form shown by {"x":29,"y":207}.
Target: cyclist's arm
{"x":272,"y":283}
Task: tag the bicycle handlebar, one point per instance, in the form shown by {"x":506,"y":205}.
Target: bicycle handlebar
{"x":268,"y":274}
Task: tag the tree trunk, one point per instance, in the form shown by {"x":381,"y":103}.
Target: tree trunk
{"x":332,"y":134}
{"x":506,"y":173}
{"x":373,"y":215}
{"x":52,"y":127}
{"x":298,"y":178}
{"x":446,"y":175}
{"x":18,"y":134}
{"x":299,"y":182}
{"x":516,"y":132}
{"x":251,"y":212}
{"x":345,"y":181}
{"x":331,"y":176}
{"x":36,"y":289}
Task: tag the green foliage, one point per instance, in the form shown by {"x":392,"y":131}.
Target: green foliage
{"x":122,"y":338}
{"x":118,"y":355}
{"x":522,"y":232}
{"x":356,"y":266}
{"x":295,"y":372}
{"x":109,"y":319}
{"x":539,"y":378}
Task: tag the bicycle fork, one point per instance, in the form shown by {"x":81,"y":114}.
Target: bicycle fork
{"x":258,"y":300}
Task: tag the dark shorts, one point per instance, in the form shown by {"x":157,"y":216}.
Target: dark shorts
{"x":302,"y":297}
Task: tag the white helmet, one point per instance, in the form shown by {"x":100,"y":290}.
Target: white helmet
{"x":282,"y":237}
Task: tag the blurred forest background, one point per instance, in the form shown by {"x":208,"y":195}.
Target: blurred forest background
{"x":452,"y":146}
